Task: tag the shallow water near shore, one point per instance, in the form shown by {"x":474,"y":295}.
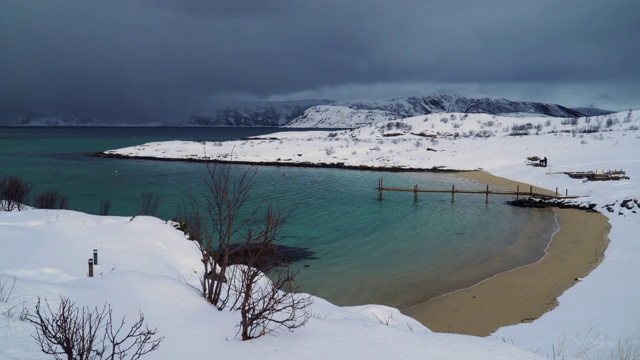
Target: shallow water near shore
{"x":396,"y":251}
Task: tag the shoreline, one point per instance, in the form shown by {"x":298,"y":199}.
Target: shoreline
{"x":518,"y":295}
{"x":285,"y":163}
{"x":525,"y":293}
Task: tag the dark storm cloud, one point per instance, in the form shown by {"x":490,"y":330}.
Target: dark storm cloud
{"x":163,"y":60}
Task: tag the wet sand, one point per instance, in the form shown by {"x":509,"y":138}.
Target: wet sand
{"x":525,"y":293}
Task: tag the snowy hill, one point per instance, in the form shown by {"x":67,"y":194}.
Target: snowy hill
{"x":424,"y":105}
{"x":329,"y":116}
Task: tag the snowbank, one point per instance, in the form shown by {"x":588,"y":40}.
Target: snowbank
{"x":146,"y":264}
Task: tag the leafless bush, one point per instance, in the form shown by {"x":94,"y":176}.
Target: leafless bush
{"x":5,"y":290}
{"x":522,"y":129}
{"x":85,"y":334}
{"x":14,"y":193}
{"x":611,"y":121}
{"x":148,"y":203}
{"x":627,"y":118}
{"x":484,"y":133}
{"x":226,"y":236}
{"x":570,"y":121}
{"x":329,"y":150}
{"x":266,"y":304}
{"x":398,"y":125}
{"x":18,"y":310}
{"x":51,"y":200}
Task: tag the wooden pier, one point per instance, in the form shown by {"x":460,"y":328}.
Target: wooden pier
{"x":453,"y":191}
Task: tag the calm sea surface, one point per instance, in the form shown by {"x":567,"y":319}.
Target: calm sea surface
{"x":396,"y":252}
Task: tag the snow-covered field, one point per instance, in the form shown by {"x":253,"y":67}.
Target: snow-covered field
{"x":146,"y":264}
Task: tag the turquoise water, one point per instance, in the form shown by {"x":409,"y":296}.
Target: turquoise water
{"x":396,"y":252}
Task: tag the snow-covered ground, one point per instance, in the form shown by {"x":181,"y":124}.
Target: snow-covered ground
{"x":146,"y":264}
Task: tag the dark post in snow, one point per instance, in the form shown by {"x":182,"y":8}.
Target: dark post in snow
{"x":517,"y":191}
{"x":90,"y":267}
{"x":95,"y":256}
{"x":415,"y":193}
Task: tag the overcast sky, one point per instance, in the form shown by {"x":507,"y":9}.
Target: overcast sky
{"x":162,"y":60}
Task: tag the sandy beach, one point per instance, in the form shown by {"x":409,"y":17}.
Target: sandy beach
{"x":525,"y":293}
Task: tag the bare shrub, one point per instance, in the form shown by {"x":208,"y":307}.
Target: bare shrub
{"x":396,"y":125}
{"x":611,"y":121}
{"x":148,"y":203}
{"x":85,"y":334}
{"x":14,"y":193}
{"x":6,"y":290}
{"x":266,"y":304}
{"x":329,"y":150}
{"x":51,"y":200}
{"x":520,"y":130}
{"x":237,"y":247}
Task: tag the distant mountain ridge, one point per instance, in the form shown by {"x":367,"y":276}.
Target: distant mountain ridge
{"x":56,"y":120}
{"x":298,"y":113}
{"x":447,"y":103}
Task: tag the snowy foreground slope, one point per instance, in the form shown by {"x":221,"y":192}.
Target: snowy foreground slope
{"x":145,"y":264}
{"x":601,"y":313}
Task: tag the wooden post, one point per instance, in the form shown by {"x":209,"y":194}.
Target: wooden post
{"x":90,"y":267}
{"x":380,"y":189}
{"x":531,"y":191}
{"x":95,"y":256}
{"x":415,"y":193}
{"x":517,"y":191}
{"x":486,"y":199}
{"x":566,"y":192}
{"x":453,"y":189}
{"x":556,"y":191}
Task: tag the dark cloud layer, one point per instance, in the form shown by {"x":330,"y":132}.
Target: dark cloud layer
{"x":161,"y":60}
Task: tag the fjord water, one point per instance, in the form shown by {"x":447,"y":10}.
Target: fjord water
{"x":395,"y":252}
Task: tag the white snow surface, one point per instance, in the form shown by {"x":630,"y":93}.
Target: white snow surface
{"x":147,"y":265}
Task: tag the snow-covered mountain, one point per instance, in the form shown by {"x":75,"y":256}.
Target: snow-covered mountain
{"x":447,"y":103}
{"x":320,"y":113}
{"x":302,"y":113}
{"x":262,"y":113}
{"x":331,"y":116}
{"x":592,"y":111}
